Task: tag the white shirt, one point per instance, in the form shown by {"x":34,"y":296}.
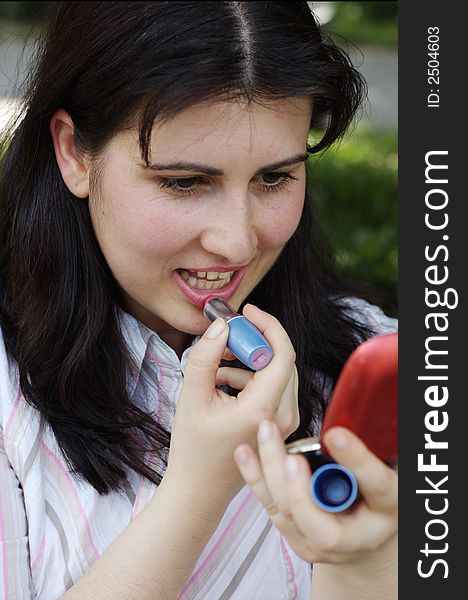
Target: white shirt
{"x":53,"y":527}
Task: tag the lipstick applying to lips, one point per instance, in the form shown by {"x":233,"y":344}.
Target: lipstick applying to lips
{"x":244,"y":340}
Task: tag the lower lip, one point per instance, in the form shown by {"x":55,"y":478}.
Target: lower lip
{"x":199,"y":297}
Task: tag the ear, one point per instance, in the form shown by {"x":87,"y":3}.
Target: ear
{"x":72,"y":166}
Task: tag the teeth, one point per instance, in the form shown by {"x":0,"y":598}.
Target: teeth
{"x":206,"y":280}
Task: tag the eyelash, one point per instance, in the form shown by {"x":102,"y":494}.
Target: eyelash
{"x":172,"y":184}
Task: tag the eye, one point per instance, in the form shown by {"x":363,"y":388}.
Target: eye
{"x":185,"y":186}
{"x":274,"y":182}
{"x":191,"y":186}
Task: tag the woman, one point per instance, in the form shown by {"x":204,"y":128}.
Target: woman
{"x":160,"y":160}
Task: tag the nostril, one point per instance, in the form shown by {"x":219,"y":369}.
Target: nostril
{"x":231,"y":241}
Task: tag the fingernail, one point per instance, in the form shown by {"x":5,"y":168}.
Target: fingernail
{"x":292,"y":467}
{"x":242,"y":455}
{"x":265,"y":431}
{"x":339,"y":440}
{"x":216,"y":328}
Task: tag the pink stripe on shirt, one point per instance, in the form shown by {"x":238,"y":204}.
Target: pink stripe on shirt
{"x":290,"y":565}
{"x":75,"y":495}
{"x":4,"y":561}
{"x":40,"y":552}
{"x":213,"y":551}
{"x":2,"y":526}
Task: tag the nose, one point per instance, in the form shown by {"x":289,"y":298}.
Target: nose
{"x":232,"y":232}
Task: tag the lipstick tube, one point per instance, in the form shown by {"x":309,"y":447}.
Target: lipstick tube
{"x":244,"y":340}
{"x":332,"y":487}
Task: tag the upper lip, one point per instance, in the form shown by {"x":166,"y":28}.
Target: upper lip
{"x":215,"y":269}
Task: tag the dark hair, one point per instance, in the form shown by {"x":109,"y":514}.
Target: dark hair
{"x":112,"y":65}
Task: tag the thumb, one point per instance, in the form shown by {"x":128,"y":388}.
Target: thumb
{"x":204,"y":358}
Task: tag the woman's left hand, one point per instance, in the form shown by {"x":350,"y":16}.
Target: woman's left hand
{"x":355,"y":537}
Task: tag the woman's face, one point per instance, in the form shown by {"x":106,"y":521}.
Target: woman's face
{"x":210,"y":217}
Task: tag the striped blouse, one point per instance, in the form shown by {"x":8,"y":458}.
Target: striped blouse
{"x":53,"y":526}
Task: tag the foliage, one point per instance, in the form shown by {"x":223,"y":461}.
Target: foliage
{"x":372,"y":23}
{"x":25,"y":11}
{"x":354,"y":186}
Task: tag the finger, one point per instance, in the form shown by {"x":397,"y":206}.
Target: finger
{"x":272,"y":380}
{"x":377,"y":482}
{"x":333,"y":536}
{"x":364,"y":530}
{"x":313,"y":523}
{"x":287,"y":415}
{"x":272,"y":456}
{"x":203,"y":360}
{"x":235,"y":378}
{"x":272,"y":330}
{"x":228,"y":355}
{"x":251,"y":470}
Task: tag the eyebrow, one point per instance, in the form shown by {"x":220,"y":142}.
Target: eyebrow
{"x":207,"y":170}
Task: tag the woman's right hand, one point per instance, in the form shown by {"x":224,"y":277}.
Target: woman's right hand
{"x":209,"y":424}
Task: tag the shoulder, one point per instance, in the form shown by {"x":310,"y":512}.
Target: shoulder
{"x":367,"y":314}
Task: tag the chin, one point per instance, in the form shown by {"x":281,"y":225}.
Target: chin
{"x":195,"y":326}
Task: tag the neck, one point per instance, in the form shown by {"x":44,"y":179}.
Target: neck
{"x":177,"y":340}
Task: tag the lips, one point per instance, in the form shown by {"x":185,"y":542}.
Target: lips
{"x":199,"y":297}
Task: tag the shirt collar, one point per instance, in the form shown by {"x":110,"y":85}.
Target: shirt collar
{"x":144,"y":343}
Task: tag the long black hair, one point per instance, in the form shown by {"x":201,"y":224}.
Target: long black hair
{"x":114,"y":65}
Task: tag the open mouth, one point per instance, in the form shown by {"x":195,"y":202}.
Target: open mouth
{"x":206,"y":280}
{"x":197,"y":286}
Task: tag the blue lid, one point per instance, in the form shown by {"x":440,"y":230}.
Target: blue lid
{"x":333,"y":487}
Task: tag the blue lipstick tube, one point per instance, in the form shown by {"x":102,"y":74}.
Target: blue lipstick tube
{"x":244,"y":340}
{"x":332,"y":487}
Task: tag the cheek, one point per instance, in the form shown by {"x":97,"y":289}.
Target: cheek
{"x":161,"y":238}
{"x":281,"y":222}
{"x":161,"y":232}
{"x":143,"y":229}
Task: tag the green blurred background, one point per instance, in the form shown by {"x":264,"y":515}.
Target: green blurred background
{"x":355,"y":183}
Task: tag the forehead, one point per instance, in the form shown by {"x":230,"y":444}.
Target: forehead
{"x":217,"y":129}
{"x":233,"y":124}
